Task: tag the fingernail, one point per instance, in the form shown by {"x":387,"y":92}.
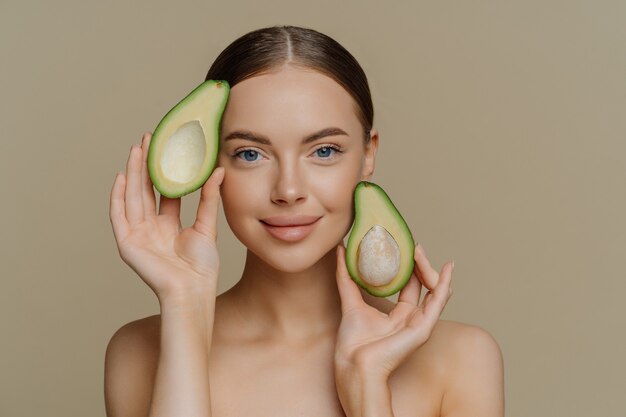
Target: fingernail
{"x":453,"y":265}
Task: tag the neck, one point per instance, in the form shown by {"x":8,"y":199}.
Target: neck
{"x":283,"y":305}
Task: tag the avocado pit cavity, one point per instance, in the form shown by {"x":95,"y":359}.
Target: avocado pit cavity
{"x":378,"y":257}
{"x":184,"y":152}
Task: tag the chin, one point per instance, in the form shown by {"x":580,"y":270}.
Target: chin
{"x":289,"y":258}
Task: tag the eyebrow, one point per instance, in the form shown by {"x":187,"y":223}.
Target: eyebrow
{"x":255,"y":137}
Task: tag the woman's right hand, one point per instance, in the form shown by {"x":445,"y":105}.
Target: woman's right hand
{"x":173,"y":261}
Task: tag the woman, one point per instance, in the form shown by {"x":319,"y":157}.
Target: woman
{"x":295,"y":336}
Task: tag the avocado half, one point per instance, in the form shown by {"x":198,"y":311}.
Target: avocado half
{"x":184,"y":146}
{"x":379,"y":254}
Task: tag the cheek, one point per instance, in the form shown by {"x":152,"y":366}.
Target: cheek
{"x":240,"y":194}
{"x":336,"y":191}
{"x":239,"y":200}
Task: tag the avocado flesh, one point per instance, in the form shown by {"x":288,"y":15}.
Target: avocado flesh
{"x":185,"y":144}
{"x":380,"y":235}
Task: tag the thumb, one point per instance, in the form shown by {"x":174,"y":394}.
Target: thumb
{"x":348,"y":289}
{"x":206,"y":216}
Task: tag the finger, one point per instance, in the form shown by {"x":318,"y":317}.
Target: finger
{"x":169,"y":206}
{"x":134,"y":202}
{"x":419,"y":290}
{"x":149,"y":202}
{"x":348,"y":289}
{"x":411,"y":291}
{"x":440,"y":295}
{"x":423,"y":269}
{"x":206,"y":216}
{"x":117,"y":211}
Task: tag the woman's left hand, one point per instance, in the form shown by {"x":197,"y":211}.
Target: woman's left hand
{"x":370,"y":342}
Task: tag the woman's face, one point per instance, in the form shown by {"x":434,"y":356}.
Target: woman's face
{"x":270,"y":170}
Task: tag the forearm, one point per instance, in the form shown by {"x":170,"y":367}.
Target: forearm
{"x":181,"y":387}
{"x":364,"y":395}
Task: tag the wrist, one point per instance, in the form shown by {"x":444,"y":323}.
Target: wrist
{"x":191,"y":315}
{"x":354,"y":380}
{"x":362,"y":367}
{"x":187,"y":301}
{"x":196,"y":307}
{"x":363,"y":393}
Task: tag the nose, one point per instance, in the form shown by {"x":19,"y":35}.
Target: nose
{"x":289,"y":184}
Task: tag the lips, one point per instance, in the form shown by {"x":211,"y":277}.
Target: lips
{"x":297,"y":220}
{"x":293,"y":228}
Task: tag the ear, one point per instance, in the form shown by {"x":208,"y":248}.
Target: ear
{"x":370,"y":156}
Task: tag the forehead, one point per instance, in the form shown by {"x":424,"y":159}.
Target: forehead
{"x":290,"y":100}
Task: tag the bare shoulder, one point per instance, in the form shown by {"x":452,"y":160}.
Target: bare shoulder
{"x":471,"y":369}
{"x":453,"y":342}
{"x":458,"y":338}
{"x":130,"y":366}
{"x":463,"y":365}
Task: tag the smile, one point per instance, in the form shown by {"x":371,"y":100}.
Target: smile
{"x":290,"y":233}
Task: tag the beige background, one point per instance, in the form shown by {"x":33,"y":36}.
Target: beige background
{"x":503,"y":142}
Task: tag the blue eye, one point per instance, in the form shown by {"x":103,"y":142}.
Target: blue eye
{"x":326,"y":151}
{"x":246,"y":153}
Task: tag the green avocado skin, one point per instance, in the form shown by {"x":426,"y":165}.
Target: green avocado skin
{"x":366,"y":196}
{"x":211,"y":134}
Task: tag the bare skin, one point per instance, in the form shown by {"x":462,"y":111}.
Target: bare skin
{"x":279,"y":379}
{"x":288,"y":339}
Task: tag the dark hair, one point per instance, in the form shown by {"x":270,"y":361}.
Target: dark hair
{"x":267,"y":49}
